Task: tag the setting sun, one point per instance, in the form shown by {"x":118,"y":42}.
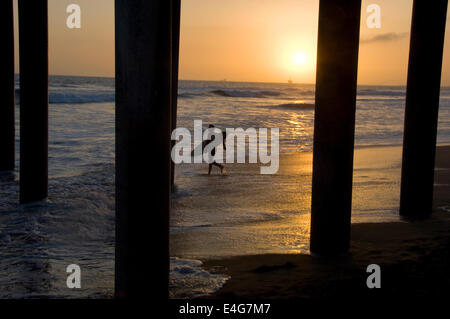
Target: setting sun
{"x":299,"y":59}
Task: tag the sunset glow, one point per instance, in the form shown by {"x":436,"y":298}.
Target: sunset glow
{"x":299,"y":59}
{"x":239,"y":40}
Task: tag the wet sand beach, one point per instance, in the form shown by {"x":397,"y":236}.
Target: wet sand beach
{"x":414,"y":258}
{"x":246,"y":213}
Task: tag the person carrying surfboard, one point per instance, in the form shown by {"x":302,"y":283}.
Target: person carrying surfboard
{"x":213,"y":152}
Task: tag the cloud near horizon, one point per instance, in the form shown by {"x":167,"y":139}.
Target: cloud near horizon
{"x":385,"y":37}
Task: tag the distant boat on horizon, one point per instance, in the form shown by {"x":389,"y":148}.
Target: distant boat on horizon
{"x":290,"y":80}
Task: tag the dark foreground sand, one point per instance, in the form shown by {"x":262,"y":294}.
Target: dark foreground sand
{"x":414,"y":258}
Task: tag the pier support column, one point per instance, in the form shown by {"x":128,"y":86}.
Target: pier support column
{"x":7,"y":135}
{"x":334,"y":125}
{"x":143,"y":121}
{"x":422,"y":105}
{"x":175,"y":62}
{"x":33,"y":42}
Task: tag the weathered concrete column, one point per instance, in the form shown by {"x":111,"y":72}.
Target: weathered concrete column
{"x":175,"y":63}
{"x":33,"y":42}
{"x":334,"y":125}
{"x":143,"y":104}
{"x":7,"y":135}
{"x":422,"y":105}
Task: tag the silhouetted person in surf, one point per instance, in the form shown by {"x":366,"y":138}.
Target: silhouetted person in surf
{"x":213,"y":152}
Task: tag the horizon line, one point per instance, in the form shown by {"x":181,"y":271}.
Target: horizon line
{"x":230,"y":81}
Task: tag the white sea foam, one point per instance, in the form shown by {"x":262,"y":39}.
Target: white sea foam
{"x":189,"y":280}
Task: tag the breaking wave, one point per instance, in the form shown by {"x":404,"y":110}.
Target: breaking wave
{"x":245,"y":93}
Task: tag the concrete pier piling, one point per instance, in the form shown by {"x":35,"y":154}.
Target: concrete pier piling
{"x":334,"y":125}
{"x":143,"y":122}
{"x":422,"y":105}
{"x":7,"y":131}
{"x":175,"y":62}
{"x":33,"y":43}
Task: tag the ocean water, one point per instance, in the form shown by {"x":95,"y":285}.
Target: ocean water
{"x":212,"y":216}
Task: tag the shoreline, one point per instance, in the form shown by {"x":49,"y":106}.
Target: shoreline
{"x":371,"y":146}
{"x":414,"y":258}
{"x":215,"y":217}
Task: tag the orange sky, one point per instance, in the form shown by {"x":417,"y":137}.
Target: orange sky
{"x":239,"y":40}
